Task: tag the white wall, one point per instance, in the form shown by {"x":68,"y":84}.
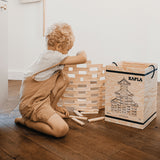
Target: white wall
{"x":25,"y":34}
{"x":3,"y":57}
{"x":107,"y":30}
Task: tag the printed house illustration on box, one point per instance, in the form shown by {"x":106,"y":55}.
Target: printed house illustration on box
{"x":123,"y":103}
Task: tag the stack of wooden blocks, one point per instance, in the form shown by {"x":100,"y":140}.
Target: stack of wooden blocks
{"x":86,"y":91}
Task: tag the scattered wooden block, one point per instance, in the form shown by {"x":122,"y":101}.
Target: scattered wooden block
{"x":77,"y":113}
{"x":96,"y":119}
{"x":78,"y":121}
{"x":81,"y":118}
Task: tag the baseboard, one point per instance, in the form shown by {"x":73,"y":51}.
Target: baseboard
{"x":29,"y":1}
{"x":15,"y":75}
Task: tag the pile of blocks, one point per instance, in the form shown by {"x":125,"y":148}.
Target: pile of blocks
{"x":85,"y":111}
{"x":86,"y":91}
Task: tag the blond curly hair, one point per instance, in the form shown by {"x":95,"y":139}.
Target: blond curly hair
{"x":60,"y":37}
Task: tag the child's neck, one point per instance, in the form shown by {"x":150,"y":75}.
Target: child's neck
{"x":55,"y":49}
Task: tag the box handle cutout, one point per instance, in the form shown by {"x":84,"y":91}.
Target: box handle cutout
{"x":153,"y":70}
{"x":115,"y":63}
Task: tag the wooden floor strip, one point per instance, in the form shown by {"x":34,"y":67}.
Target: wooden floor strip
{"x":20,"y":147}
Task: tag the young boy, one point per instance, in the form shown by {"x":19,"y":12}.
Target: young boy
{"x":45,"y":82}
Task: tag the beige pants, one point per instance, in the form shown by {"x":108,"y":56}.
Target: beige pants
{"x":39,"y":98}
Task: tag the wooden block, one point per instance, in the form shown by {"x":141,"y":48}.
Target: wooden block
{"x":78,"y":117}
{"x":89,"y":112}
{"x":78,"y":121}
{"x":78,"y":108}
{"x":77,"y":113}
{"x":96,"y":119}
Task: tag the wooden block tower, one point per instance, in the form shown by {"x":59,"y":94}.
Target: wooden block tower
{"x":86,"y":88}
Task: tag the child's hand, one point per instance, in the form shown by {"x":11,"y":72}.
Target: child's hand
{"x":78,"y":59}
{"x":63,"y":112}
{"x":81,"y":53}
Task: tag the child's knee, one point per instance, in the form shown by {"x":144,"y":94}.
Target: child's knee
{"x":59,"y":126}
{"x":61,"y":130}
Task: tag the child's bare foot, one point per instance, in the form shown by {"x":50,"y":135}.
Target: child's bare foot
{"x":20,"y":120}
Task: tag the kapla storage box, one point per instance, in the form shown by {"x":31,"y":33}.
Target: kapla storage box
{"x":131,"y":93}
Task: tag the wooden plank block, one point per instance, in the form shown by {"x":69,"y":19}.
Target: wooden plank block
{"x":76,"y":70}
{"x":89,"y":112}
{"x":78,"y":121}
{"x":82,"y":108}
{"x":96,"y":119}
{"x":78,"y":117}
{"x":77,"y":113}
